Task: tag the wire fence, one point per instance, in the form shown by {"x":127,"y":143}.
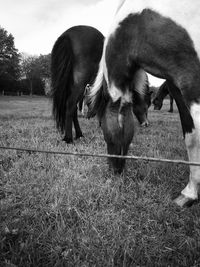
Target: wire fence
{"x":78,"y":154}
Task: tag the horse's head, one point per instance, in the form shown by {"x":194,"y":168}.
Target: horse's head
{"x":157,"y":104}
{"x":117,"y":124}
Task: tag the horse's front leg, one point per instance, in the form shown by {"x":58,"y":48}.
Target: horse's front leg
{"x":171,"y":104}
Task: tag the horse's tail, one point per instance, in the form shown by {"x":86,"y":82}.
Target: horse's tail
{"x":61,"y":77}
{"x":95,"y":94}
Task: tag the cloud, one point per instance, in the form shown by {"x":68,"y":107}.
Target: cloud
{"x":36,"y":24}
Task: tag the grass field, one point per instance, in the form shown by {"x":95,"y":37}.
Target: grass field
{"x":70,"y":211}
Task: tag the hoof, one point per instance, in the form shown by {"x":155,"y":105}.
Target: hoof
{"x":144,"y":124}
{"x":131,"y":146}
{"x":79,"y":136}
{"x":183,"y":201}
{"x":68,"y":140}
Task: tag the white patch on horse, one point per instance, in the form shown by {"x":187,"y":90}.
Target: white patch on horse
{"x":117,"y":94}
{"x":192,"y":141}
{"x":179,"y":11}
{"x":95,"y":87}
{"x":127,"y":97}
{"x":195,"y":112}
{"x":114,"y":92}
{"x":140,"y":81}
{"x":101,"y":74}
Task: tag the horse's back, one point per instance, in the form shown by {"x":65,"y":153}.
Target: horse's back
{"x":84,"y":39}
{"x":87,"y":46}
{"x":184,"y":13}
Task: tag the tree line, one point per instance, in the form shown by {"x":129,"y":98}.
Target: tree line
{"x":21,"y":73}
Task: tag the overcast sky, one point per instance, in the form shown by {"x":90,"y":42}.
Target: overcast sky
{"x":36,"y":24}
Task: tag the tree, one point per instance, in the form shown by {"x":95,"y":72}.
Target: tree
{"x":43,"y":62}
{"x":9,"y":59}
{"x":28,"y":68}
{"x":36,"y":70}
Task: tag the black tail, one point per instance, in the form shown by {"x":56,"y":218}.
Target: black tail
{"x":61,"y":77}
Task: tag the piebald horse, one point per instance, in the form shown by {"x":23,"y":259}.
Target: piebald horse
{"x":157,"y":37}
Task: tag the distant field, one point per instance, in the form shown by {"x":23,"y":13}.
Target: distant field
{"x":71,"y":211}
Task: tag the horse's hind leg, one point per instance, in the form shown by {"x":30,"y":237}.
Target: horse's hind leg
{"x":70,"y":109}
{"x":189,"y":109}
{"x":77,"y":126}
{"x":191,"y":132}
{"x":68,"y":138}
{"x":171,"y":104}
{"x":192,"y":141}
{"x":187,"y":100}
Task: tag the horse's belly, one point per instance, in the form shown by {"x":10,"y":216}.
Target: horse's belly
{"x":184,"y":12}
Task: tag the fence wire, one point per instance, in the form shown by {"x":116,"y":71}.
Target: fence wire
{"x":78,"y":154}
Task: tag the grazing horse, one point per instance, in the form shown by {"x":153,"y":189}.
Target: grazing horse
{"x":154,"y":36}
{"x":141,"y":100}
{"x":162,"y":92}
{"x":74,"y":63}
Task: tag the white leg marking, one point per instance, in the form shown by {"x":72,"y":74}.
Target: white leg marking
{"x":83,"y":108}
{"x":192,"y":141}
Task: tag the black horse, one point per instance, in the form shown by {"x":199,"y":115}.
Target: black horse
{"x":74,"y":63}
{"x":150,"y":36}
{"x":162,"y":92}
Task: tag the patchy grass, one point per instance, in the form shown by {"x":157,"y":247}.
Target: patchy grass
{"x":70,"y":211}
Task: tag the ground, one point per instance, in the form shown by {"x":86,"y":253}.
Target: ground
{"x":71,"y":211}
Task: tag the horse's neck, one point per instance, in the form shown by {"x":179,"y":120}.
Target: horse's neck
{"x":162,"y":92}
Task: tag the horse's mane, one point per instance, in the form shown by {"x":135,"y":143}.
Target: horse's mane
{"x":141,"y":82}
{"x":98,"y":96}
{"x":96,"y":92}
{"x":95,"y":87}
